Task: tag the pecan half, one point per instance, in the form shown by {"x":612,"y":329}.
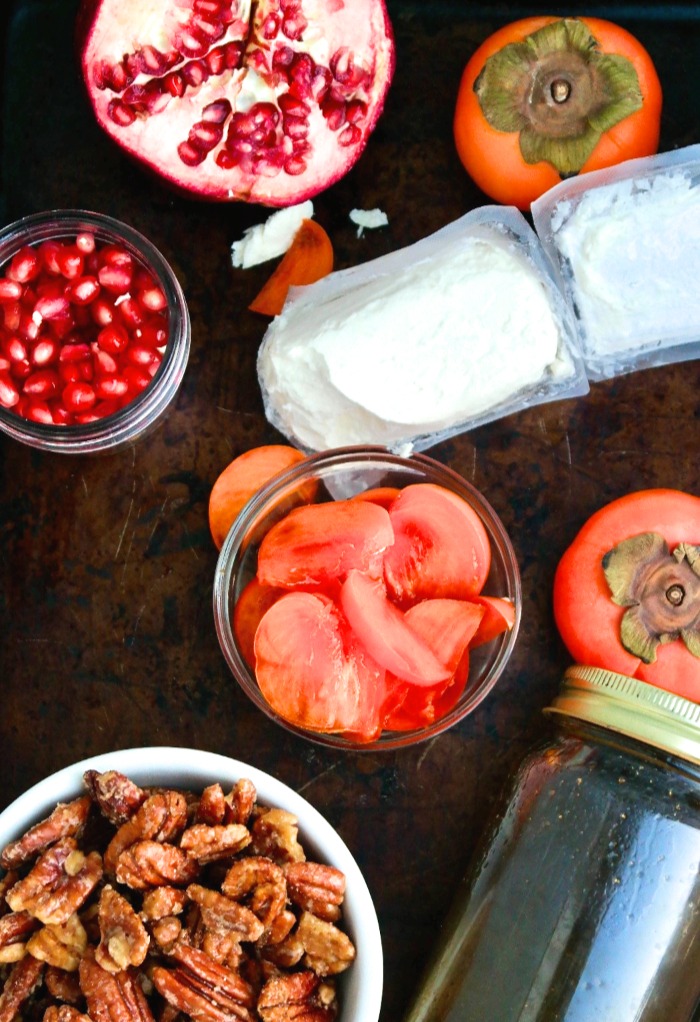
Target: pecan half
{"x":242,"y":799}
{"x":24,"y":977}
{"x":59,"y":883}
{"x":327,"y":950}
{"x":161,"y":902}
{"x":276,"y":834}
{"x":212,"y":807}
{"x":151,"y":863}
{"x":123,"y":937}
{"x":259,"y":881}
{"x":166,"y":931}
{"x":223,"y":915}
{"x":220,"y":841}
{"x":204,"y":989}
{"x":15,"y":928}
{"x":66,"y":820}
{"x":298,"y":997}
{"x":112,"y":997}
{"x":64,"y":1013}
{"x":162,"y":817}
{"x":61,"y":944}
{"x":316,"y":888}
{"x":117,"y":796}
{"x":62,"y":985}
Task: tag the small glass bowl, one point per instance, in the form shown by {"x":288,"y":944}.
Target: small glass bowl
{"x":337,"y":475}
{"x":134,"y":419}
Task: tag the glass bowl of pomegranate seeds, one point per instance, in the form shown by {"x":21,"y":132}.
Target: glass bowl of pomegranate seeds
{"x":94,"y":332}
{"x":367,"y":601}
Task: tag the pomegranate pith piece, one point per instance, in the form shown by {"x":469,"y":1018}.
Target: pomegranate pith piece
{"x":268,"y":101}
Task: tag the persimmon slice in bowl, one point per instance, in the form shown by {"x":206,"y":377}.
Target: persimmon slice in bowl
{"x":441,"y":548}
{"x":311,"y":671}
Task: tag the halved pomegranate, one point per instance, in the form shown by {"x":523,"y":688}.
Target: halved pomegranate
{"x":268,"y":101}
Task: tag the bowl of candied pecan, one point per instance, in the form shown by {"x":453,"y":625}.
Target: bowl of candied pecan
{"x":158,"y":884}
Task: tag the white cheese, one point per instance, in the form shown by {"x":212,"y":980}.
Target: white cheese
{"x":271,"y":238}
{"x":409,"y":344}
{"x":368,"y":219}
{"x":632,"y":250}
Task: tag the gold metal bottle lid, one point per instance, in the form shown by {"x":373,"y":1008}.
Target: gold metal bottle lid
{"x":630,"y":707}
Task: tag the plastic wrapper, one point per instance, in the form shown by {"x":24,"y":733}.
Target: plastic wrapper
{"x":460,"y":328}
{"x":625,"y":243}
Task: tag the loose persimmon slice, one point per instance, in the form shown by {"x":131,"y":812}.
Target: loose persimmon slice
{"x":251,"y":605}
{"x":382,"y":495}
{"x":308,"y":258}
{"x":441,"y":548}
{"x":382,"y":630}
{"x":320,"y":543}
{"x":447,"y":627}
{"x":311,"y":672}
{"x":241,"y":479}
{"x":499,"y":616}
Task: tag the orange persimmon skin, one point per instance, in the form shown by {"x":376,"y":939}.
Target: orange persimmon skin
{"x":308,"y":259}
{"x":493,"y":158}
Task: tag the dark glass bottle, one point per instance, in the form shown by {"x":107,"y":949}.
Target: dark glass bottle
{"x":583,"y":904}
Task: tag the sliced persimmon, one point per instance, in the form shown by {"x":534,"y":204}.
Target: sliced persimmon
{"x":498,"y":617}
{"x":382,"y":495}
{"x":311,"y":672}
{"x":255,"y":599}
{"x":308,"y":258}
{"x":241,"y":479}
{"x":383,"y":631}
{"x":441,"y":547}
{"x":319,"y":544}
{"x":448,"y":628}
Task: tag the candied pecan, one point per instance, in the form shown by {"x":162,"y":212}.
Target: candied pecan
{"x":62,"y":985}
{"x":64,"y":1013}
{"x":123,"y":937}
{"x":23,"y":979}
{"x":275,"y":834}
{"x":162,"y":901}
{"x":166,"y":931}
{"x":259,"y":881}
{"x":204,"y":989}
{"x":224,"y":948}
{"x":66,"y":820}
{"x":60,"y":944}
{"x":162,"y":817}
{"x":286,"y":953}
{"x":151,"y":863}
{"x":223,"y":915}
{"x":212,"y":806}
{"x":117,"y":796}
{"x":297,"y":997}
{"x":317,"y":888}
{"x":327,"y":950}
{"x":112,"y":997}
{"x":220,"y":841}
{"x":242,"y":800}
{"x":58,"y":884}
{"x":15,"y":928}
{"x":6,"y":882}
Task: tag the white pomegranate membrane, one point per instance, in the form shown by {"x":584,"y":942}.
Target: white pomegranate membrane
{"x":268,"y":101}
{"x":83,"y":328}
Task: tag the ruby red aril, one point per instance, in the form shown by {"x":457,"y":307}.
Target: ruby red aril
{"x":269,"y":102}
{"x":83,"y":326}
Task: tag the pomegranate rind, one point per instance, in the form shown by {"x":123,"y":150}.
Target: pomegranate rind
{"x":271,"y":103}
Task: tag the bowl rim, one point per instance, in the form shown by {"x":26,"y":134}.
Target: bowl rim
{"x":146,"y":408}
{"x":182,"y":767}
{"x":346,"y":456}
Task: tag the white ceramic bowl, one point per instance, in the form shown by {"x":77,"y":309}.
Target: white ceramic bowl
{"x":360,"y":988}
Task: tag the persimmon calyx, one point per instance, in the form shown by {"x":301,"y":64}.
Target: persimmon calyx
{"x":660,"y":589}
{"x":559,"y":92}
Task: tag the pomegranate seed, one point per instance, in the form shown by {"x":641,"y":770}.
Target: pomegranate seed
{"x":153,"y":368}
{"x":131,"y":312}
{"x":103,"y":362}
{"x":78,"y":397}
{"x":37,"y":410}
{"x":5,"y":364}
{"x":194,"y":73}
{"x":108,"y":387}
{"x":83,"y":290}
{"x":45,"y":351}
{"x":49,"y":252}
{"x":86,"y":370}
{"x":11,"y":315}
{"x":10,"y":290}
{"x":85,"y":243}
{"x":103,"y":312}
{"x":115,"y":279}
{"x":120,"y":113}
{"x":69,"y":372}
{"x":51,"y":307}
{"x":152,"y":299}
{"x":22,"y":369}
{"x":152,"y":334}
{"x":294,"y":165}
{"x":44,"y":383}
{"x":216,"y":112}
{"x":350,"y":135}
{"x":137,"y":379}
{"x":15,"y":349}
{"x":61,"y":415}
{"x":28,"y":326}
{"x":74,"y":352}
{"x":9,"y":394}
{"x":24,"y":265}
{"x":174,"y":84}
{"x":71,"y":261}
{"x":190,"y":157}
{"x":138,"y":354}
{"x":112,"y":339}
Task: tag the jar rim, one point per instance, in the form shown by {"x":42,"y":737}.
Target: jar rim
{"x":634,"y":708}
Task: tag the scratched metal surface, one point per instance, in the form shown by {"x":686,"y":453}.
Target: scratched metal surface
{"x":106,"y":566}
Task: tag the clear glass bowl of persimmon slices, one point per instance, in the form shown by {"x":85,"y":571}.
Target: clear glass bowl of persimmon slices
{"x":365,"y":600}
